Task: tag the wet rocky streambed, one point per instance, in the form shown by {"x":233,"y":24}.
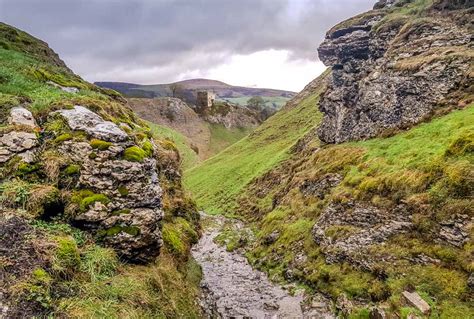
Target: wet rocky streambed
{"x":231,"y":288}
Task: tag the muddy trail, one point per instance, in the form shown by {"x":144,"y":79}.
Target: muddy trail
{"x":231,"y":288}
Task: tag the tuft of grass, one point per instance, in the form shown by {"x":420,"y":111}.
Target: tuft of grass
{"x":66,"y":256}
{"x":99,"y":263}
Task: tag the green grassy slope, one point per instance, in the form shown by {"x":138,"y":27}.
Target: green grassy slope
{"x":218,"y":181}
{"x":222,"y":137}
{"x":429,"y":168}
{"x":189,"y":158}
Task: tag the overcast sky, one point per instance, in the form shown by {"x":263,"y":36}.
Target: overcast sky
{"x":264,"y":43}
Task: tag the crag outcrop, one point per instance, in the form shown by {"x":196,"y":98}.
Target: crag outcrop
{"x":394,"y":66}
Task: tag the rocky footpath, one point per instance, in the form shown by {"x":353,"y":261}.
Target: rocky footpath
{"x":231,"y":288}
{"x":394,"y":66}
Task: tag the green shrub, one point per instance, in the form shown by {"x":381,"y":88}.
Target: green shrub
{"x":100,"y":145}
{"x":134,"y":154}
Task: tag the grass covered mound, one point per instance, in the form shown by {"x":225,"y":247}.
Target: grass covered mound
{"x":54,"y":269}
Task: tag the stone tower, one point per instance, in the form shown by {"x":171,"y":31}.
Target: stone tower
{"x":204,"y":100}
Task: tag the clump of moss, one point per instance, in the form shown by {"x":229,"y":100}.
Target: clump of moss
{"x":89,"y":200}
{"x":27,"y":168}
{"x":172,"y":240}
{"x":72,"y":169}
{"x":92,"y":155}
{"x":122,"y":190}
{"x":100,"y":145}
{"x":121,"y":212}
{"x":147,"y":146}
{"x":39,"y":288}
{"x":63,"y":137}
{"x":85,"y":198}
{"x":134,"y":154}
{"x":117,"y":229}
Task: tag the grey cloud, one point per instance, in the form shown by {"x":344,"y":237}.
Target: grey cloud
{"x":99,"y":37}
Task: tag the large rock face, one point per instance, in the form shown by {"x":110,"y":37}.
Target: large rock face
{"x":391,"y":71}
{"x":116,"y":198}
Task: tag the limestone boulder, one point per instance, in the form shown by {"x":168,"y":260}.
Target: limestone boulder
{"x":17,"y":142}
{"x":347,"y":231}
{"x":82,"y":119}
{"x":21,"y":116}
{"x":388,"y":76}
{"x":415,"y":300}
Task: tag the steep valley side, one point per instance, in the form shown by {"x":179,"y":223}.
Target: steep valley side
{"x":367,"y":222}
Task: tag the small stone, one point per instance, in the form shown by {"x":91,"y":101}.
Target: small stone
{"x":5,"y":155}
{"x":28,"y":156}
{"x":21,"y":116}
{"x":19,"y":141}
{"x":416,"y":301}
{"x":470,"y":282}
{"x":344,"y":305}
{"x":68,"y":89}
{"x":377,"y":313}
{"x":271,"y":238}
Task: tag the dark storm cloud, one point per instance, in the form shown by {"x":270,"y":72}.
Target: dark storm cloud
{"x":176,"y":36}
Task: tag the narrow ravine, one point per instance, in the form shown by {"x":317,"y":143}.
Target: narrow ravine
{"x":231,"y":288}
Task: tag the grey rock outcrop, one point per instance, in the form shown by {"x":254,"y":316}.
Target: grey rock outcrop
{"x":129,"y":220}
{"x":17,"y":143}
{"x":21,"y":116}
{"x":67,"y":89}
{"x":82,"y":119}
{"x":390,"y":74}
{"x":455,"y":231}
{"x":346,"y":231}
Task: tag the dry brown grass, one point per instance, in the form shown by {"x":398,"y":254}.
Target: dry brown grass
{"x":52,"y":163}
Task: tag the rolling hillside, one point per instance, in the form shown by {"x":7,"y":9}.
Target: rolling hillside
{"x":186,"y":90}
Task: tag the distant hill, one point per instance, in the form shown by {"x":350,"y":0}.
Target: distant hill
{"x":186,"y":90}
